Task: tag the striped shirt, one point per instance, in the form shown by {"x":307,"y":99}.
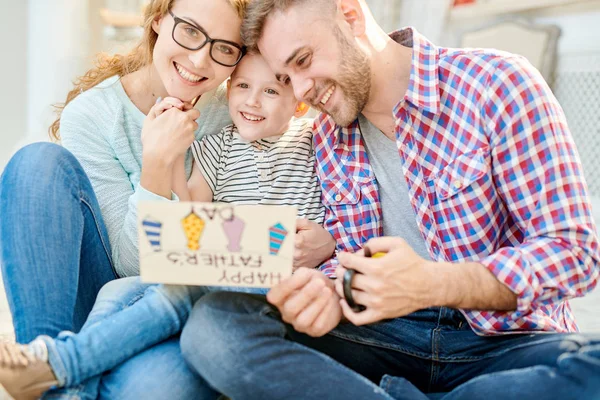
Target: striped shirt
{"x":278,"y":170}
{"x":493,"y":177}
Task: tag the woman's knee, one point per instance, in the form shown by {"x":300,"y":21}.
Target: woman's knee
{"x":39,"y":164}
{"x":40,"y":155}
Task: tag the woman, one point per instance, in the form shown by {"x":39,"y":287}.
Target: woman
{"x":68,"y":222}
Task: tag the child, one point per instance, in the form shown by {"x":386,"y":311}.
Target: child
{"x":264,"y":157}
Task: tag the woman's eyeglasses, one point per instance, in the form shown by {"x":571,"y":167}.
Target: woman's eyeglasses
{"x":193,"y":37}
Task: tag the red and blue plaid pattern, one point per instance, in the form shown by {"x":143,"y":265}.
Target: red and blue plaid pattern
{"x":493,"y":176}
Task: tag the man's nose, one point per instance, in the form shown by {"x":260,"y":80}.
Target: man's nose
{"x":303,"y":88}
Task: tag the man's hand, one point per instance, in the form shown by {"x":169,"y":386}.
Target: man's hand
{"x":307,"y":300}
{"x":313,"y":244}
{"x":391,"y":286}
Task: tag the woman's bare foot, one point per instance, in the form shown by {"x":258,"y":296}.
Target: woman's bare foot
{"x":24,"y":375}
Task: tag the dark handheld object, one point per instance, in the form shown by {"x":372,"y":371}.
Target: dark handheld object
{"x":349,"y":276}
{"x":347,"y":284}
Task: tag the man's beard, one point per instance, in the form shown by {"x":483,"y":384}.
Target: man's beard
{"x":354,"y":81}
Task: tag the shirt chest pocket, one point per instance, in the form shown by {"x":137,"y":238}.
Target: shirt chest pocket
{"x":340,"y":193}
{"x":466,"y":206}
{"x":461,"y":176}
{"x":343,"y":198}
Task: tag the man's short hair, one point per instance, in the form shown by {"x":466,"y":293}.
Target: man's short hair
{"x":258,"y":11}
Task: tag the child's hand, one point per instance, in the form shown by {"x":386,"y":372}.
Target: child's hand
{"x":313,"y":244}
{"x":167,"y":103}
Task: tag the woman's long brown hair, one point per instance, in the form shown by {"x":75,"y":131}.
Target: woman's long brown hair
{"x":121,"y":65}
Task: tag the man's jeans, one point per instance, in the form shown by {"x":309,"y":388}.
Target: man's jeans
{"x":239,"y":344}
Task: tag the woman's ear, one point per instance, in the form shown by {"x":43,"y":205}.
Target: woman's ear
{"x":156,"y":24}
{"x":228,"y":88}
{"x":301,"y":110}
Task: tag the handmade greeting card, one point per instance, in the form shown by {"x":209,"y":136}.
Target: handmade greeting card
{"x":214,"y":244}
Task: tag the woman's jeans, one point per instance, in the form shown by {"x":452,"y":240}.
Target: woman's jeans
{"x":55,"y":257}
{"x":129,"y":317}
{"x":240,"y":345}
{"x":55,"y":253}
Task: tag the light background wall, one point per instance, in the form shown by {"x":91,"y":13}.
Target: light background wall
{"x":45,"y":44}
{"x":13,"y":71}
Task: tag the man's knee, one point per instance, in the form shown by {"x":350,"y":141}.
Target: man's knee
{"x":181,"y":294}
{"x":216,"y":327}
{"x":205,"y":322}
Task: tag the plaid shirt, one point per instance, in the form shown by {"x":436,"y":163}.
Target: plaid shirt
{"x":493,"y":176}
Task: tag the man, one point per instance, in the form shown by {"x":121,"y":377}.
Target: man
{"x":463,"y":162}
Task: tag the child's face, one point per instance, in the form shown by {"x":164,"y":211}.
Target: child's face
{"x":259,"y":105}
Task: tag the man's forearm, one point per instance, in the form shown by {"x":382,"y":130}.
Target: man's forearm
{"x":471,"y":286}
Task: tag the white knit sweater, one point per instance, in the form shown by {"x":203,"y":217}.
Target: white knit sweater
{"x":102,"y":128}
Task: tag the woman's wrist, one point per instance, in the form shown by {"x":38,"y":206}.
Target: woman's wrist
{"x":157,"y":174}
{"x":158,"y":159}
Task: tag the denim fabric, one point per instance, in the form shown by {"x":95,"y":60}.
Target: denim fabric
{"x":142,"y":316}
{"x":115,"y":296}
{"x":239,"y":345}
{"x":54,"y":247}
{"x":129,"y":317}
{"x":55,"y":258}
{"x":432,"y":353}
{"x":158,"y":373}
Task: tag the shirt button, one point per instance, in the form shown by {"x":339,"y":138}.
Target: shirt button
{"x":263,"y":174}
{"x":457,"y":184}
{"x":338,"y":197}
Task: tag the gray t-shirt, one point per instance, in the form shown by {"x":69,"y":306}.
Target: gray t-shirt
{"x":399,"y":218}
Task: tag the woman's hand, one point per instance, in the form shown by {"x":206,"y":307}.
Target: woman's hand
{"x":168,"y":131}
